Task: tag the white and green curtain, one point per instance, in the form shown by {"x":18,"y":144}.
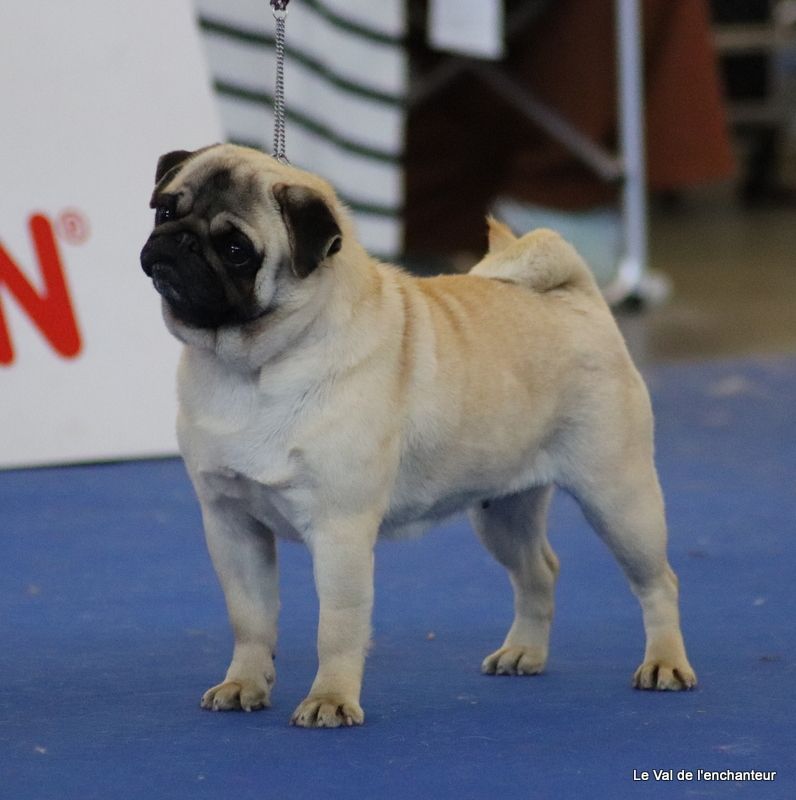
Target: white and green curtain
{"x":345,"y":89}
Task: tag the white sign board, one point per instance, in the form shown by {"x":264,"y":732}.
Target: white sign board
{"x":92,"y":93}
{"x":469,"y":27}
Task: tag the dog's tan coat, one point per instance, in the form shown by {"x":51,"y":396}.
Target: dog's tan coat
{"x":368,"y":402}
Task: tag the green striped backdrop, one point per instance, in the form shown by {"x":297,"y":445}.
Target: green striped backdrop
{"x":345,"y":89}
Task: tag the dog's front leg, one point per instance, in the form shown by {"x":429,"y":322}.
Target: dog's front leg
{"x":343,"y":564}
{"x":244,"y":556}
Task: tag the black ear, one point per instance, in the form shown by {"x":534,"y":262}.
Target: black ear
{"x":311,"y":227}
{"x":169,"y":161}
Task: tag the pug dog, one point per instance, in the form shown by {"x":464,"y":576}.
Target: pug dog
{"x":331,"y":399}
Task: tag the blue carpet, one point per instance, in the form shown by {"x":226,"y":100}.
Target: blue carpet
{"x":113,"y":625}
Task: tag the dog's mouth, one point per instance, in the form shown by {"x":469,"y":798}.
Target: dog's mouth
{"x":193,"y":311}
{"x":193,"y":291}
{"x":193,"y":304}
{"x":165,"y":279}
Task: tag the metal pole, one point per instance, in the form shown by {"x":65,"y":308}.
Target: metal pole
{"x":630,"y":66}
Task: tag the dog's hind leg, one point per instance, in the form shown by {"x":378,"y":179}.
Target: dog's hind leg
{"x":514,"y":530}
{"x":616,"y":484}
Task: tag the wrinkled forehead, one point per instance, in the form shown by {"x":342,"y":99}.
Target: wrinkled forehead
{"x":228,"y":184}
{"x":206,"y":187}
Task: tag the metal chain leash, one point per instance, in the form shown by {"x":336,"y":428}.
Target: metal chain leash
{"x":280,"y":14}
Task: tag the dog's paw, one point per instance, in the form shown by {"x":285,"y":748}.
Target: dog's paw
{"x":327,"y":711}
{"x":516,"y":660}
{"x":238,"y":695}
{"x":658,"y":674}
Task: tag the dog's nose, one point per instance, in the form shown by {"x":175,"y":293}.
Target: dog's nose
{"x":147,"y":259}
{"x":187,"y":241}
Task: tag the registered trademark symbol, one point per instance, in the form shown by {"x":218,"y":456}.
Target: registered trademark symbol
{"x":72,"y":226}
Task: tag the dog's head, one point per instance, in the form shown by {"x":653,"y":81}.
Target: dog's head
{"x":236,"y":232}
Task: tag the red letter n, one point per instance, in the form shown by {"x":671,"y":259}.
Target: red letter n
{"x":51,"y":311}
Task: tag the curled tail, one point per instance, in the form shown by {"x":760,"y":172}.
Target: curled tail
{"x":541,"y":260}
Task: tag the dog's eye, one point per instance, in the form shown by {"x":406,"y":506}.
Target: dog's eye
{"x":235,"y":249}
{"x":236,"y":254}
{"x":163,"y":214}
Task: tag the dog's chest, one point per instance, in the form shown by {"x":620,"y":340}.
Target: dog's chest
{"x":269,"y":489}
{"x":236,"y":443}
{"x":280,"y":507}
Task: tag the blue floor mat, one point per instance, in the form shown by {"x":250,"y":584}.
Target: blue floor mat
{"x":113,"y":625}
